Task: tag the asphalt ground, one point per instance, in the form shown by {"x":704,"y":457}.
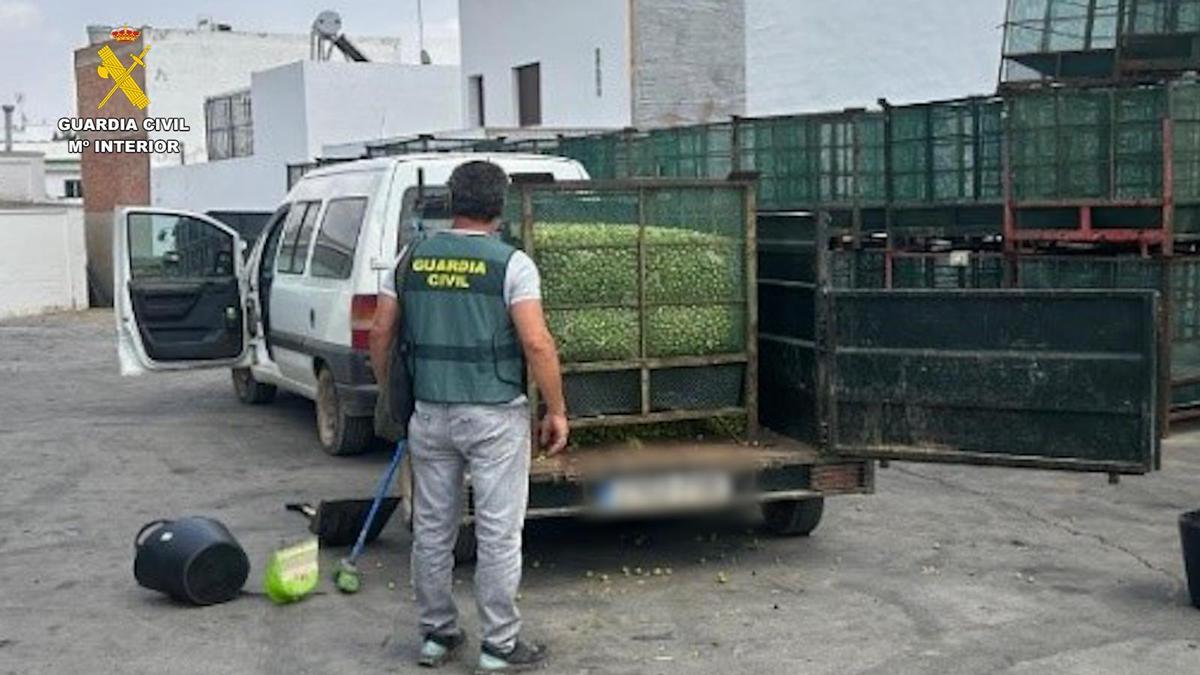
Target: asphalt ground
{"x":944,"y":570}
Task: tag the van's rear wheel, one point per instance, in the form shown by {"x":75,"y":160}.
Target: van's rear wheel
{"x":793,"y":517}
{"x":249,"y":390}
{"x":340,"y":434}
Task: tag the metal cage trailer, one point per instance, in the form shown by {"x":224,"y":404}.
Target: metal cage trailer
{"x":810,"y":384}
{"x":666,"y":270}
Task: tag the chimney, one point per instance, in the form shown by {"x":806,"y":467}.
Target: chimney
{"x":8,"y":111}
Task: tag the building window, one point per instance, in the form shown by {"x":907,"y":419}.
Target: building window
{"x":229,"y":127}
{"x":73,"y":188}
{"x":599,"y":81}
{"x":475,"y":101}
{"x":529,"y":94}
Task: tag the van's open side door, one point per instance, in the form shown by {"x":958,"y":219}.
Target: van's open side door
{"x":179,"y":291}
{"x":1040,"y":379}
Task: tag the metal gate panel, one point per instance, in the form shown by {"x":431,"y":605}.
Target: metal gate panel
{"x":1048,"y":379}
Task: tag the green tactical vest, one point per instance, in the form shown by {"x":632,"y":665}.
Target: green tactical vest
{"x":462,"y":344}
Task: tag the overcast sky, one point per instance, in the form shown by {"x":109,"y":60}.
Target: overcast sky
{"x":38,"y":37}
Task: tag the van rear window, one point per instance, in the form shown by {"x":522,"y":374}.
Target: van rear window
{"x":425,"y":210}
{"x":333,"y":254}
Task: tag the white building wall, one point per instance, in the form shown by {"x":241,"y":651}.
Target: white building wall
{"x":186,"y":66}
{"x":57,"y":175}
{"x":561,"y":35}
{"x":60,"y":165}
{"x":239,"y":184}
{"x":22,"y":176}
{"x":43,"y":260}
{"x":352,"y":101}
{"x":300,"y":107}
{"x":278,"y":106}
{"x":820,"y":55}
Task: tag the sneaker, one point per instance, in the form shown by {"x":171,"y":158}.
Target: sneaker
{"x":522,"y":657}
{"x":438,"y":649}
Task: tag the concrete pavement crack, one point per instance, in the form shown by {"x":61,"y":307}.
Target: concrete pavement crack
{"x":1045,"y":520}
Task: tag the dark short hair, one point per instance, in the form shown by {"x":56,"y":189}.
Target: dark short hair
{"x":477,"y":190}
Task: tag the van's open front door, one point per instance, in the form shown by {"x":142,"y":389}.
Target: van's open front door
{"x":1041,"y":379}
{"x":179,"y":292}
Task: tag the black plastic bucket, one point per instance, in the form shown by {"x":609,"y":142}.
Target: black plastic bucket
{"x":1189,"y":535}
{"x":193,"y":559}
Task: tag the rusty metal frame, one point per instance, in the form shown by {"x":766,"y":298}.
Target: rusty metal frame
{"x":1162,"y":237}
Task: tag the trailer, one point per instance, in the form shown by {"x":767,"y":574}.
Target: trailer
{"x":831,"y":380}
{"x":650,"y":287}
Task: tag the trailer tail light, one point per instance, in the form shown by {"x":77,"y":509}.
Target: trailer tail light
{"x":833,"y":478}
{"x":362,"y":317}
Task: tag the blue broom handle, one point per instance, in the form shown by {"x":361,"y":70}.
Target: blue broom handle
{"x":379,"y":493}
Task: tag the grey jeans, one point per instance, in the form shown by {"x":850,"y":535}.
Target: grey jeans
{"x":492,"y":443}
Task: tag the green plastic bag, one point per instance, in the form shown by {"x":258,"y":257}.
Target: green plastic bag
{"x":293,"y":572}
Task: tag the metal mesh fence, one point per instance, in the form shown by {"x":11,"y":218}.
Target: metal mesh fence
{"x":946,"y":152}
{"x":706,"y":388}
{"x":644,"y":281}
{"x":781,"y":150}
{"x":1099,"y":143}
{"x":1185,"y":113}
{"x":805,"y":160}
{"x":1055,"y":39}
{"x":949,"y":270}
{"x":1161,"y":17}
{"x":865,"y":269}
{"x":870,"y":164}
{"x":597,"y":154}
{"x":701,"y":151}
{"x":857,"y":269}
{"x":1089,"y":272}
{"x":1185,"y":291}
{"x":605,"y":393}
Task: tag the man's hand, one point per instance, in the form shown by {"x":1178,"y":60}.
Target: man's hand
{"x":542,"y":356}
{"x":553,"y":433}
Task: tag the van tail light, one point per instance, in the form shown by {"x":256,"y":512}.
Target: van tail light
{"x":362,"y":317}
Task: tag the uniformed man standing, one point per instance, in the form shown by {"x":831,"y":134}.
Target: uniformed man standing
{"x":471,"y":315}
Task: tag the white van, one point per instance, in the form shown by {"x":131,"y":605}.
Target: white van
{"x":294,"y":313}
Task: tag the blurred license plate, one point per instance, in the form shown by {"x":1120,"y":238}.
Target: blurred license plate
{"x":662,"y":492}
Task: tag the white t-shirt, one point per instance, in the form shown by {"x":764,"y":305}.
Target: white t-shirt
{"x":521,"y":278}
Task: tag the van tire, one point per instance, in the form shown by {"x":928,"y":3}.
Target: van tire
{"x":340,"y":434}
{"x":250,"y":390}
{"x":793,"y":517}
